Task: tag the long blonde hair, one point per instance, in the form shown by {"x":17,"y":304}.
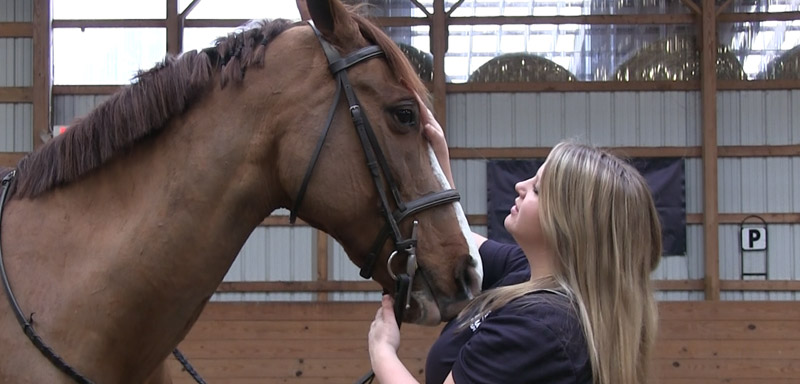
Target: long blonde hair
{"x":598,"y":216}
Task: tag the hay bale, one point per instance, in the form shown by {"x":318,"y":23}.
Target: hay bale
{"x":677,"y":59}
{"x":520,"y":67}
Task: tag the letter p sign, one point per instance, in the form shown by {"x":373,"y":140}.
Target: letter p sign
{"x":754,"y":239}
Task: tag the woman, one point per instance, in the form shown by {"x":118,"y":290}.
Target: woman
{"x":588,"y":232}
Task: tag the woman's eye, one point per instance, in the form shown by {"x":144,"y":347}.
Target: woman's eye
{"x":535,"y":190}
{"x":405,"y":116}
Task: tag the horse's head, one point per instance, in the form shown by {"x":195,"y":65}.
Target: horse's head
{"x":337,"y":193}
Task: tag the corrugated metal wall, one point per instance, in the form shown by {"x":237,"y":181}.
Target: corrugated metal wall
{"x":654,"y":119}
{"x":639,"y":119}
{"x":16,"y":70}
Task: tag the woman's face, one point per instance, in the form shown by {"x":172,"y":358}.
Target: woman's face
{"x":523,"y":220}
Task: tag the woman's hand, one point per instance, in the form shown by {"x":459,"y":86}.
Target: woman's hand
{"x":435,"y":135}
{"x":384,"y":334}
{"x":384,"y":340}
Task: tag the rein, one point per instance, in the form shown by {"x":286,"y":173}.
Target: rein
{"x":27,"y":323}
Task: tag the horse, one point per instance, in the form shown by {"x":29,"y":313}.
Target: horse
{"x":115,"y":234}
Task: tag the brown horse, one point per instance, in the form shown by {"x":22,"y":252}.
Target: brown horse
{"x":116,"y":233}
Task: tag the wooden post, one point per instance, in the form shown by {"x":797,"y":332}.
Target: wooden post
{"x":708,"y":92}
{"x":438,"y":49}
{"x":42,"y":70}
{"x":174,"y":28}
{"x":322,"y":262}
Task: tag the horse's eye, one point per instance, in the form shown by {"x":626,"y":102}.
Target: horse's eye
{"x":405,"y":116}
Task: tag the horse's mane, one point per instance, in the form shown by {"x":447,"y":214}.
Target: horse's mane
{"x":146,"y":106}
{"x":142,"y":108}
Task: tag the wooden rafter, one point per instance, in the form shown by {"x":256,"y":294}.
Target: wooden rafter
{"x":42,"y":70}
{"x":15,"y":29}
{"x":708,"y":96}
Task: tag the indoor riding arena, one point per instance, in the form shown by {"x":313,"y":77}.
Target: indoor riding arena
{"x":702,"y":96}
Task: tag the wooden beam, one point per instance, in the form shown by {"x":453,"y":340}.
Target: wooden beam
{"x":573,"y":86}
{"x":438,"y":35}
{"x":477,"y":219}
{"x":421,"y":7}
{"x":692,"y":6}
{"x":371,"y":286}
{"x":723,"y":7}
{"x":637,"y":19}
{"x":618,"y":86}
{"x":111,"y":23}
{"x":16,"y":29}
{"x":769,"y":218}
{"x":708,"y":95}
{"x":42,"y":70}
{"x":541,"y":152}
{"x":742,"y":17}
{"x":214,"y":23}
{"x":189,"y":9}
{"x":688,"y":152}
{"x":322,"y":262}
{"x":16,"y":94}
{"x":759,"y":151}
{"x":678,"y":285}
{"x":760,"y":285}
{"x":86,"y":89}
{"x":400,"y":21}
{"x":174,"y":29}
{"x":10,"y":159}
{"x":300,"y":286}
{"x":758,"y":85}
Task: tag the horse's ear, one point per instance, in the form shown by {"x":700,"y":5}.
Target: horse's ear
{"x":333,"y":21}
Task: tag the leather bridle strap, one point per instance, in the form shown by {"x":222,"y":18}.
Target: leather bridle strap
{"x":27,"y":323}
{"x":421,"y":204}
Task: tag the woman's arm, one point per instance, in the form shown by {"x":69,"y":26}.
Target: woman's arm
{"x":384,"y":340}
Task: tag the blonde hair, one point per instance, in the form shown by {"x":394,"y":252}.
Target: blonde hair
{"x":598,"y":216}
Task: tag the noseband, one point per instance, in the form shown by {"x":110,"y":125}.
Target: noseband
{"x":376,"y":163}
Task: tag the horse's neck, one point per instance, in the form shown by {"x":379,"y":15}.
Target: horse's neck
{"x":142,"y":242}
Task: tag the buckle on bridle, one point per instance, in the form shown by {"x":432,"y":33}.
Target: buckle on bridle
{"x":411,"y":265}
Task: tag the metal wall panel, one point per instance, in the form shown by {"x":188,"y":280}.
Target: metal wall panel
{"x":16,"y":62}
{"x":341,"y":268}
{"x":274,"y":254}
{"x":759,"y":184}
{"x":758,"y":117}
{"x":67,"y":108}
{"x":648,"y":119}
{"x":16,"y":10}
{"x":16,"y":125}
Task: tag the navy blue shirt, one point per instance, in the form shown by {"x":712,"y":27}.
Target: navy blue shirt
{"x":536,"y":338}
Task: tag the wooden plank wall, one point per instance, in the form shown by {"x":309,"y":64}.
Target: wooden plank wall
{"x":308,"y":343}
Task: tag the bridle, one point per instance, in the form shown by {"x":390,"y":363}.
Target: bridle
{"x":380,"y":172}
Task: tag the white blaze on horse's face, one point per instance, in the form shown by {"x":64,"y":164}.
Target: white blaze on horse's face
{"x":462,"y":218}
